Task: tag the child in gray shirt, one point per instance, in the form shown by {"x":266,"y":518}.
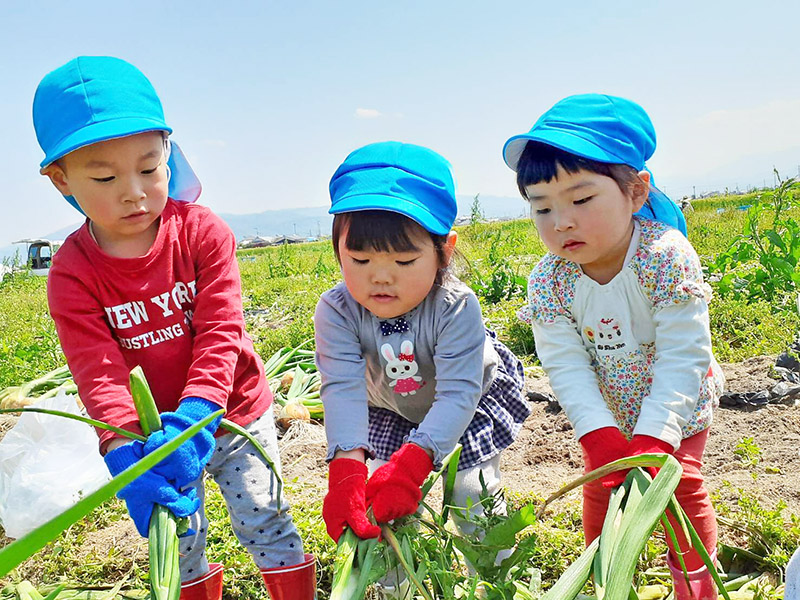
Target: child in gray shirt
{"x":408,"y":368}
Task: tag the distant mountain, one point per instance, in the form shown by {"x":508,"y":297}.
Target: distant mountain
{"x":314,"y":221}
{"x":309,"y":221}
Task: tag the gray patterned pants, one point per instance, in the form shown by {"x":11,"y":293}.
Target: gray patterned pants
{"x":248,"y":487}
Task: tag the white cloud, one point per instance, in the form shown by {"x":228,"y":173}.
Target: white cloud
{"x":368,"y":113}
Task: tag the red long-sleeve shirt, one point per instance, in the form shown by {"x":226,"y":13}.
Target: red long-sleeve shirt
{"x":177,"y":312}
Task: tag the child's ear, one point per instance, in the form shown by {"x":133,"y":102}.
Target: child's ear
{"x":58,"y":178}
{"x":640,"y":190}
{"x":449,"y":247}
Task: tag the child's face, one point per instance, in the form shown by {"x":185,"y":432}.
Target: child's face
{"x":586,"y":218}
{"x":389,"y":284}
{"x":121,"y":185}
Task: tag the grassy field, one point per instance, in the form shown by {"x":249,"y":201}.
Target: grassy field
{"x":281,"y":287}
{"x":280,"y":290}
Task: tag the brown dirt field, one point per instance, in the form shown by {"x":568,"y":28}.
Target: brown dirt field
{"x":546,"y":454}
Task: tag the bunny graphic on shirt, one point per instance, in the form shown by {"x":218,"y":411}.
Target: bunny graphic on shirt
{"x":402,"y":369}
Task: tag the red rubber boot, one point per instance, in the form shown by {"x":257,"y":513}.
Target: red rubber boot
{"x":700,"y":586}
{"x":205,"y":587}
{"x":298,"y":582}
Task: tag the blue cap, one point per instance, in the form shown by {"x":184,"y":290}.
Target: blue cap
{"x":92,"y":99}
{"x":402,"y":178}
{"x":606,"y":129}
{"x":96,"y":98}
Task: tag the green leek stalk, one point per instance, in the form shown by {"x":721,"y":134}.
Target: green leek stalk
{"x":162,"y":536}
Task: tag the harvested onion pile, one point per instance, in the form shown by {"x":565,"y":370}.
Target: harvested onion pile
{"x":295,"y":384}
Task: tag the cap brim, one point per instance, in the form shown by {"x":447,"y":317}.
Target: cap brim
{"x":512,"y":151}
{"x":391,"y":203}
{"x":102,"y":131}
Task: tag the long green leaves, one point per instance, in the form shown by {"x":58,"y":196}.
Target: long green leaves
{"x":164,"y":526}
{"x":642,"y":514}
{"x":26,"y":546}
{"x":165,"y":574}
{"x":574,"y":578}
{"x":642,"y":460}
{"x":358,"y":562}
{"x":81,"y":418}
{"x":635,"y":509}
{"x":162,"y":534}
{"x":143,"y":400}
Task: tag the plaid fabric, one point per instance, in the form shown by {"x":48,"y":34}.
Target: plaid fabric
{"x":497,"y":421}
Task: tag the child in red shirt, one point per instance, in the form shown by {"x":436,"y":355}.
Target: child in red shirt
{"x":151,"y":279}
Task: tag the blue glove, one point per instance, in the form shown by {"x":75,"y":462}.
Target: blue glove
{"x":186,"y":463}
{"x":149,"y":489}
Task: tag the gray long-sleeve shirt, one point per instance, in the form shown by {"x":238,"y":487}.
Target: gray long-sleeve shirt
{"x":433,"y":374}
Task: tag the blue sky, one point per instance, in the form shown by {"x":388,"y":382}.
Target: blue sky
{"x":267,"y":98}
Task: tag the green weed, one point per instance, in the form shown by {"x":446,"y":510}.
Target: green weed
{"x":762,"y":261}
{"x":748,"y":452}
{"x":768,"y":534}
{"x":28,"y":342}
{"x":740,"y":330}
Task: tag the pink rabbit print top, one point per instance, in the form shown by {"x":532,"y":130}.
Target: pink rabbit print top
{"x":402,"y":369}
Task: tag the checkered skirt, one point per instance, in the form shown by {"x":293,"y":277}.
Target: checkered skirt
{"x":497,"y":421}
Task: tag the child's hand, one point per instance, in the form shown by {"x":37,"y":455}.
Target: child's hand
{"x":645,"y":444}
{"x":344,"y":504}
{"x":393,"y":491}
{"x":603,"y":446}
{"x":149,"y":489}
{"x":187,"y":462}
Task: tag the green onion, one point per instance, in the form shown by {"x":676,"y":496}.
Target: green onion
{"x":162,"y":538}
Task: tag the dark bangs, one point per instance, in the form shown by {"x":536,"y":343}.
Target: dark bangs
{"x":378,"y":230}
{"x":539,"y":162}
{"x":382,"y":231}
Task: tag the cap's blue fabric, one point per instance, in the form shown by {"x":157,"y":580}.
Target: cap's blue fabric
{"x":91,"y":99}
{"x":606,"y":129}
{"x":183,"y":183}
{"x":403,"y":178}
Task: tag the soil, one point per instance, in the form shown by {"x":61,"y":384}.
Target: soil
{"x":546,"y":454}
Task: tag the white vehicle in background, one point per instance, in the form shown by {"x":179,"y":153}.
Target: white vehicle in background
{"x":40,"y":254}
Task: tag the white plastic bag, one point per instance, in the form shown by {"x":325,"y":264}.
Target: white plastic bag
{"x":47,"y":464}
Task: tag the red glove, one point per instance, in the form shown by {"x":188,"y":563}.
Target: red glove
{"x":344,"y":504}
{"x":645,"y":444}
{"x":603,"y":446}
{"x":393,"y":490}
